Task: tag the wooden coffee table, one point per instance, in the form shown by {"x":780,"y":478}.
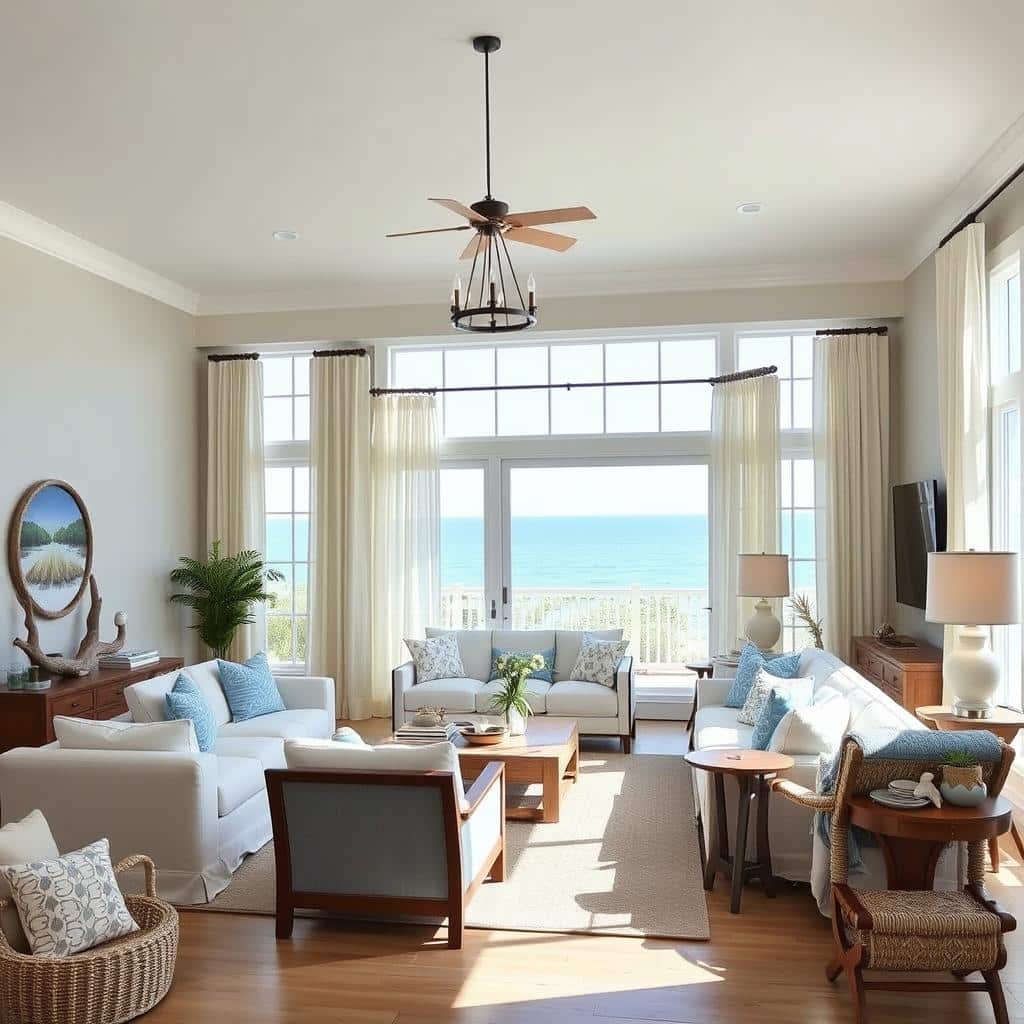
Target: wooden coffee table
{"x":547,"y":755}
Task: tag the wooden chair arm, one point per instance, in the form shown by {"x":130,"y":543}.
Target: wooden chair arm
{"x":803,"y":796}
{"x":1007,"y":921}
{"x":492,"y":775}
{"x":148,"y":867}
{"x":858,"y":915}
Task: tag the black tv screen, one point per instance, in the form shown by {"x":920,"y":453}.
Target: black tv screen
{"x":918,"y":526}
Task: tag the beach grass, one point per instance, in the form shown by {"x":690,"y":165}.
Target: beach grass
{"x":54,"y":569}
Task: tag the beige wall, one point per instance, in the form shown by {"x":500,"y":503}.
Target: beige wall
{"x":804,"y":302}
{"x":101,"y":388}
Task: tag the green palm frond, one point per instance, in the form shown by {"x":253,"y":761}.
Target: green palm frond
{"x":222,"y":591}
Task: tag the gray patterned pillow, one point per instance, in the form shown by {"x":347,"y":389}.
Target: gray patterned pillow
{"x":761,"y":691}
{"x":437,"y":657}
{"x":598,"y":660}
{"x":69,"y":904}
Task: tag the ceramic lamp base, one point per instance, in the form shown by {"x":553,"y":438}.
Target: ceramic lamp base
{"x":972,"y":671}
{"x":763,"y":629}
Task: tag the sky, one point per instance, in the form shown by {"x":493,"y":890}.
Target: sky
{"x":52,"y":508}
{"x":583,"y":491}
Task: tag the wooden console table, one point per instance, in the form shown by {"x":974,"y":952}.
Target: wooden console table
{"x":26,"y":716}
{"x":911,"y":676}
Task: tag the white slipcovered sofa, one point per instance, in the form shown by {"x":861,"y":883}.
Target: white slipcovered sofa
{"x":195,"y":814}
{"x":798,"y":853}
{"x":599,"y":710}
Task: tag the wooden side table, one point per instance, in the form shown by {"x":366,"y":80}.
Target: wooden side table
{"x":1005,"y":723}
{"x":752,"y":770}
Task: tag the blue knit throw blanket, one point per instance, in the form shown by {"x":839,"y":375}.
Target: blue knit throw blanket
{"x":898,"y":745}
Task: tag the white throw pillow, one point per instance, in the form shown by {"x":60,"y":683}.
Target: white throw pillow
{"x":85,"y":734}
{"x":437,"y":657}
{"x":815,"y":729}
{"x":69,"y":904}
{"x":388,"y":757}
{"x":598,"y":660}
{"x":21,"y":841}
{"x":757,"y":698}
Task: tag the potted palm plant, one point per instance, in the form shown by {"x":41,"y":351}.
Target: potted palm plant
{"x":222,"y":591}
{"x":510,"y":701}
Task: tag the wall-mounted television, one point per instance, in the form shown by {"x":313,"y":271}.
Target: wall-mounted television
{"x":918,"y":526}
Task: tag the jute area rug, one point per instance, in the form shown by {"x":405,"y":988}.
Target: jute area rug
{"x":623,"y":860}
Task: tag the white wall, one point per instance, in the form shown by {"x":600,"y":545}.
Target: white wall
{"x":100,"y":387}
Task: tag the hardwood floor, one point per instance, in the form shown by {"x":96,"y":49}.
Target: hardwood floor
{"x":766,"y":963}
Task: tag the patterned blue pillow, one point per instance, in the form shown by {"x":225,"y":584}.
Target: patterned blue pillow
{"x":186,"y":700}
{"x":250,"y":688}
{"x":775,"y":708}
{"x":785,"y":666}
{"x":541,"y":673}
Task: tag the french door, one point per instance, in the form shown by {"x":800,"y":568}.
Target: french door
{"x":580,"y":544}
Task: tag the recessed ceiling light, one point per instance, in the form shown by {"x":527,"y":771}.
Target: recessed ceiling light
{"x":750,"y":207}
{"x":285,"y":236}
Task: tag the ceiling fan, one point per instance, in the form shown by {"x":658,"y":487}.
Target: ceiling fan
{"x":489,"y":217}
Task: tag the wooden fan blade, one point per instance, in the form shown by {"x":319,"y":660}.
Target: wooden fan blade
{"x":566,"y":213}
{"x":545,"y":239}
{"x":478,"y":244}
{"x":463,"y":211}
{"x":429,"y":231}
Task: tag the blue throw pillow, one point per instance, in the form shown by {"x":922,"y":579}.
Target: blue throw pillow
{"x":541,"y":673}
{"x":186,"y":700}
{"x":785,"y":666}
{"x":775,"y":708}
{"x":250,"y":688}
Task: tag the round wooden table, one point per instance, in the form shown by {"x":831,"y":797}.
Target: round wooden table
{"x":1005,"y":723}
{"x":702,"y":668}
{"x":911,"y":840}
{"x":752,"y":770}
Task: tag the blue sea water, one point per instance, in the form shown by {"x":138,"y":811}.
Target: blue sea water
{"x":668,"y":552}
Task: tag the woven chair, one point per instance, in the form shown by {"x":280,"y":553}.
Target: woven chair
{"x":890,"y":930}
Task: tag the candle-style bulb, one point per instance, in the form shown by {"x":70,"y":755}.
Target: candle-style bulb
{"x":531,"y":290}
{"x":531,"y":284}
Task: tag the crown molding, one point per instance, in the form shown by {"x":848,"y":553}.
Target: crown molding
{"x":995,"y":165}
{"x":564,"y":286}
{"x":38,"y":234}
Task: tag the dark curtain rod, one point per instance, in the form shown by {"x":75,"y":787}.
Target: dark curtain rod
{"x":233,"y":358}
{"x":973,"y":215}
{"x":841,"y":331}
{"x":762,"y":371}
{"x":323,"y":353}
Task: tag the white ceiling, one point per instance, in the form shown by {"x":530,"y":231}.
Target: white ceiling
{"x":180,"y":135}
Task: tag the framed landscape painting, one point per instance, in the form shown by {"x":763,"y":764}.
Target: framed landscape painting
{"x":50,"y":547}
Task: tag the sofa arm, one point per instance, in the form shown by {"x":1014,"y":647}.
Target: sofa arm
{"x":307,"y":692}
{"x":402,"y":678}
{"x":712,"y":692}
{"x":161,"y":804}
{"x":625,"y":687}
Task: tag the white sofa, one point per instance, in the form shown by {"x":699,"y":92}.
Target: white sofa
{"x":196,"y":815}
{"x":599,"y":710}
{"x":797,"y":851}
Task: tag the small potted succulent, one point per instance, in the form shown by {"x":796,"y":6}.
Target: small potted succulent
{"x":510,"y":701}
{"x":961,"y":779}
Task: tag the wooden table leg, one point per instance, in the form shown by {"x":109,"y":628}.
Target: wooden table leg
{"x":551,"y":791}
{"x":993,"y":852}
{"x":739,"y":855}
{"x":718,"y":849}
{"x":764,"y":850}
{"x":1015,"y":832}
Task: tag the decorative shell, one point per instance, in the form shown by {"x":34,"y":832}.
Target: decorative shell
{"x":430,"y":716}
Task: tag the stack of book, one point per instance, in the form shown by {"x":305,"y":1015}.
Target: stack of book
{"x":129,"y":659}
{"x":415,"y":734}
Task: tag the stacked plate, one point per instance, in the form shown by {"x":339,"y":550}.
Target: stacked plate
{"x":900,"y":794}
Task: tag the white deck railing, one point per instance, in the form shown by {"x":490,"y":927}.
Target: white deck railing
{"x":665,"y":626}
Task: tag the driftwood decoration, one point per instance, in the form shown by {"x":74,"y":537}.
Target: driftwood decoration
{"x":89,"y":650}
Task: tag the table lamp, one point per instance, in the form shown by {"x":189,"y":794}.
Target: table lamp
{"x":763,"y":576}
{"x":972,"y":589}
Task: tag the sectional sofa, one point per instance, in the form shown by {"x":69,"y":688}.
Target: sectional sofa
{"x":599,"y":710}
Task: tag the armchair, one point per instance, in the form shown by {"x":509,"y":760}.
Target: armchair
{"x":342,"y":840}
{"x":916,"y":929}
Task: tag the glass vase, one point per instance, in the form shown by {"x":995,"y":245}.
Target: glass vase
{"x":515,"y":722}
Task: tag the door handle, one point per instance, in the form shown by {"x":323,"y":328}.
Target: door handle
{"x":494,"y":610}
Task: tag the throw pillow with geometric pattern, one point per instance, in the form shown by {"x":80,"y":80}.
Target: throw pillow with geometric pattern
{"x":598,"y":660}
{"x":437,"y":657}
{"x":69,"y":904}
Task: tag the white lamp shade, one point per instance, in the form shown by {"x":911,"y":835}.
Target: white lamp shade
{"x":973,"y":588}
{"x":763,"y":576}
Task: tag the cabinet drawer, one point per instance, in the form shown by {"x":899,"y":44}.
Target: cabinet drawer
{"x":74,"y":704}
{"x":111,"y":711}
{"x":892,"y":676}
{"x":110,"y":695}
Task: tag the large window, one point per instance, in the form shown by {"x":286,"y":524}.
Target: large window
{"x":797,"y":524}
{"x":793,"y":355}
{"x":286,"y":476}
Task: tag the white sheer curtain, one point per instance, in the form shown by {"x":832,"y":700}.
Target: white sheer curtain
{"x":406,"y":593}
{"x":340,"y":478}
{"x":851,"y":448}
{"x":234,"y":472}
{"x":961,"y":332}
{"x":744,"y":493}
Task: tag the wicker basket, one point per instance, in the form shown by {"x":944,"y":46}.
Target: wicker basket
{"x":106,"y":985}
